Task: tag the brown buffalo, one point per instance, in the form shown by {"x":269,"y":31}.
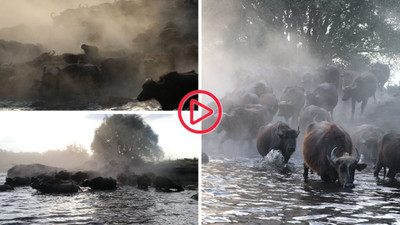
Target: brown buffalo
{"x":382,"y":74}
{"x":278,"y":136}
{"x":388,"y":155}
{"x":327,"y":150}
{"x":312,"y":114}
{"x":291,"y":103}
{"x":170,"y":89}
{"x":324,"y":96}
{"x":365,"y":138}
{"x":362,"y":88}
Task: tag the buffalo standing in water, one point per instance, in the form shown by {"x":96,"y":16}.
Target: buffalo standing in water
{"x":277,"y":136}
{"x":327,"y":150}
{"x":388,"y":155}
{"x":170,"y":89}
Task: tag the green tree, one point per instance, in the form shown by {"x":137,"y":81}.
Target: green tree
{"x":347,"y":32}
{"x":126,"y":137}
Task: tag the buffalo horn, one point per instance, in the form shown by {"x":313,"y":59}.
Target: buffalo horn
{"x":333,"y":157}
{"x":358,"y":157}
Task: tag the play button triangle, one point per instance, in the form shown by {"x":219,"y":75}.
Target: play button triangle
{"x":192,"y":104}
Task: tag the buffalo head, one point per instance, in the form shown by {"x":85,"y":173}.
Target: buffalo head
{"x":288,"y":139}
{"x":150,"y":89}
{"x":347,"y":93}
{"x":345,"y":166}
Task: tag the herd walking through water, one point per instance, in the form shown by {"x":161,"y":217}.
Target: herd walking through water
{"x":333,"y":147}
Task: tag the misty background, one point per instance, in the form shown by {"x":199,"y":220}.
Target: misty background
{"x":64,"y":139}
{"x":246,"y":43}
{"x":136,"y":40}
{"x":252,"y":37}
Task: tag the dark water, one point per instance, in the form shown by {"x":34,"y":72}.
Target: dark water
{"x":151,"y":105}
{"x":256,"y":191}
{"x":126,"y":205}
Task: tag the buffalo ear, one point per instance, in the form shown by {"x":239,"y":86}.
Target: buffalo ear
{"x":280,"y":133}
{"x":361,"y":166}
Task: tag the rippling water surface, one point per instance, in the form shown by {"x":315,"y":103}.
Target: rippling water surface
{"x":256,"y":191}
{"x":151,"y":105}
{"x":126,"y":205}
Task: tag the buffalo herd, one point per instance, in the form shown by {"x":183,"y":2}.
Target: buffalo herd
{"x":93,"y":76}
{"x":333,"y":147}
{"x":67,"y":182}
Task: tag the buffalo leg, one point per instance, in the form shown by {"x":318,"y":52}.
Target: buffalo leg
{"x":353,"y":108}
{"x":384,"y":172}
{"x":363,"y":104}
{"x":378,"y":168}
{"x":305,"y":173}
{"x":391,"y":173}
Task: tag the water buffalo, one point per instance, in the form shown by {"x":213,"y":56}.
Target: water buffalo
{"x":5,"y":187}
{"x":388,"y":155}
{"x":382,"y":74}
{"x":291,"y":103}
{"x":127,"y":178}
{"x":330,"y":74}
{"x":143,"y":182}
{"x":241,"y":125}
{"x":348,"y":78}
{"x":18,"y":181}
{"x":278,"y":136}
{"x":170,"y":89}
{"x":327,"y":150}
{"x":325,"y":96}
{"x":362,"y":88}
{"x":167,"y":185}
{"x":312,"y":114}
{"x":79,"y":177}
{"x":365,"y":138}
{"x":72,"y":80}
{"x":100,"y":183}
{"x":51,"y":184}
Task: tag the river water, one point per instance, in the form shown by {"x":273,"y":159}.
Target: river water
{"x":151,"y":105}
{"x":126,"y":205}
{"x":264,"y":191}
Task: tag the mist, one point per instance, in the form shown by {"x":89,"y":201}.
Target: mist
{"x":237,"y":57}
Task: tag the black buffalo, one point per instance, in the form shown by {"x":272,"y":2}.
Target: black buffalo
{"x":361,"y":89}
{"x":167,"y":185}
{"x":327,"y":150}
{"x":72,"y":80}
{"x":143,"y":182}
{"x":18,"y":181}
{"x":291,"y":103}
{"x":278,"y":136}
{"x":100,"y":183}
{"x":388,"y":155}
{"x":241,"y":125}
{"x":50,"y":184}
{"x":170,"y":89}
